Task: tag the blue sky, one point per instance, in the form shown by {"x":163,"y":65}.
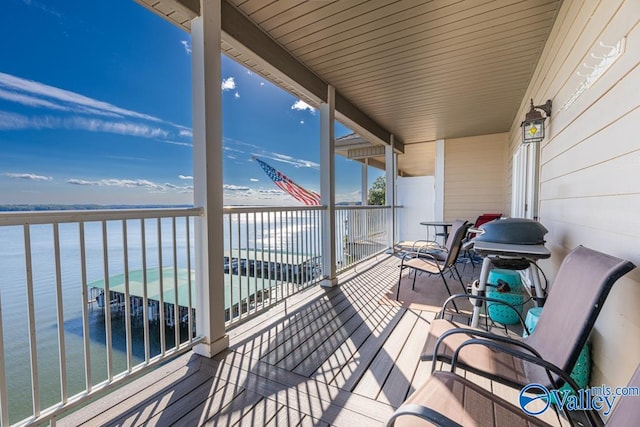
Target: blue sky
{"x":95,"y":107}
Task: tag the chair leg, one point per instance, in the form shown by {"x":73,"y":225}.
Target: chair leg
{"x":446,"y":285}
{"x":464,"y":289}
{"x":399,"y":282}
{"x":415,"y":274}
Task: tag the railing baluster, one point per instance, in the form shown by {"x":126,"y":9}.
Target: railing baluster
{"x":4,"y":402}
{"x":127,"y":296}
{"x":85,"y":309}
{"x":262,"y":258}
{"x":247,"y":263}
{"x":107,"y":301}
{"x":161,"y":313}
{"x":60,"y":316}
{"x":176,"y":305}
{"x":145,"y":294}
{"x":230,"y":274}
{"x":239,"y":268}
{"x":271,"y":297}
{"x":187,"y":221}
{"x":33,"y":352}
{"x":255,"y":263}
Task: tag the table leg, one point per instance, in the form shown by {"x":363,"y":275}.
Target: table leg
{"x":482,"y":285}
{"x":535,"y":279}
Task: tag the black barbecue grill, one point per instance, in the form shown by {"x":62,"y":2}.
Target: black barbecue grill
{"x":513,"y":231}
{"x":514,"y":244}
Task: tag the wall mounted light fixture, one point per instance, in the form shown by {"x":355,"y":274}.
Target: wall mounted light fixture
{"x":533,"y":124}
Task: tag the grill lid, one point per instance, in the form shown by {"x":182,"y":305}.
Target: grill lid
{"x":514,"y":231}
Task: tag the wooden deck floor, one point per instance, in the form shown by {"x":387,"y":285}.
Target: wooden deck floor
{"x":326,"y":357}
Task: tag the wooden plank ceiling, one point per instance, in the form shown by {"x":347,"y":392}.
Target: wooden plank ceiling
{"x":422,"y":70}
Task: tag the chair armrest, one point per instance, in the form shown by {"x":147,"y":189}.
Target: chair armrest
{"x":422,"y":412}
{"x":418,"y":245}
{"x":412,"y":255}
{"x":482,"y":334}
{"x":549,"y":367}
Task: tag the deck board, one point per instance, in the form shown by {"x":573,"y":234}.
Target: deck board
{"x":325,"y":357}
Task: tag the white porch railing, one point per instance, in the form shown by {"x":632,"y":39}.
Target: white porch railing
{"x":271,"y":253}
{"x":61,"y":272}
{"x":361,"y":232}
{"x":86,"y":300}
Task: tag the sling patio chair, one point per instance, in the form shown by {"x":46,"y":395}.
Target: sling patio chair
{"x":447,"y":399}
{"x":437,"y":262}
{"x":582,"y":284}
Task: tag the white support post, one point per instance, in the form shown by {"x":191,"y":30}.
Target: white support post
{"x":207,"y":168}
{"x":327,"y":188}
{"x":365,"y":182}
{"x":438,"y":213}
{"x":390,"y":190}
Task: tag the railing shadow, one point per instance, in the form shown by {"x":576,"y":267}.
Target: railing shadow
{"x":323,"y":363}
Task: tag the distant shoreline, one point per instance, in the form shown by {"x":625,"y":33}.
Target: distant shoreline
{"x":87,"y":207}
{"x":79,"y":207}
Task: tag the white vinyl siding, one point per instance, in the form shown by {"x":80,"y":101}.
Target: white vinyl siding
{"x":474,"y":176}
{"x":589,"y":191}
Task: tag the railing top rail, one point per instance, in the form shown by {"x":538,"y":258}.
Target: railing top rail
{"x":361,"y":207}
{"x":49,"y":217}
{"x":251,"y":209}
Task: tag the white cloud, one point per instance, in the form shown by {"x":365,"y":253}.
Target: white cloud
{"x":185,"y":177}
{"x":257,"y":151}
{"x":235,"y":187}
{"x":300,"y":105}
{"x":187,"y":46}
{"x":38,"y":95}
{"x":9,"y":121}
{"x":75,"y":181}
{"x":237,"y":95}
{"x":68,"y":99}
{"x":228,"y":84}
{"x":132,"y":183}
{"x":184,"y":144}
{"x":185,"y":132}
{"x":254,"y":179}
{"x":29,"y":176}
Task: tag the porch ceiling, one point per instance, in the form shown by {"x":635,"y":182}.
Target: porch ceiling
{"x":420,"y":70}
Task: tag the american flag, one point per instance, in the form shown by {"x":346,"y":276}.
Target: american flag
{"x":300,"y":194}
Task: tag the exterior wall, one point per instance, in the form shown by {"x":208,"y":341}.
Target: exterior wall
{"x":590,"y":161}
{"x":475,"y":176}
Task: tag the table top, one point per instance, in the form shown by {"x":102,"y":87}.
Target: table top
{"x":436,"y":223}
{"x":505,"y":249}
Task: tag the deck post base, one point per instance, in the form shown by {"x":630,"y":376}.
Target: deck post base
{"x":211,"y":349}
{"x":329,"y":283}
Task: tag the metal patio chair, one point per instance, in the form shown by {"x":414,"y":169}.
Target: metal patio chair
{"x":437,"y":262}
{"x":582,"y":284}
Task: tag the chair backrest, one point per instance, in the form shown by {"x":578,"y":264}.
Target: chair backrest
{"x":454,"y":241}
{"x":582,"y":284}
{"x":627,"y":410}
{"x":483,"y":219}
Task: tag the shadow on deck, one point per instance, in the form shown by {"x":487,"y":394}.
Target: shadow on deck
{"x":325,"y":357}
